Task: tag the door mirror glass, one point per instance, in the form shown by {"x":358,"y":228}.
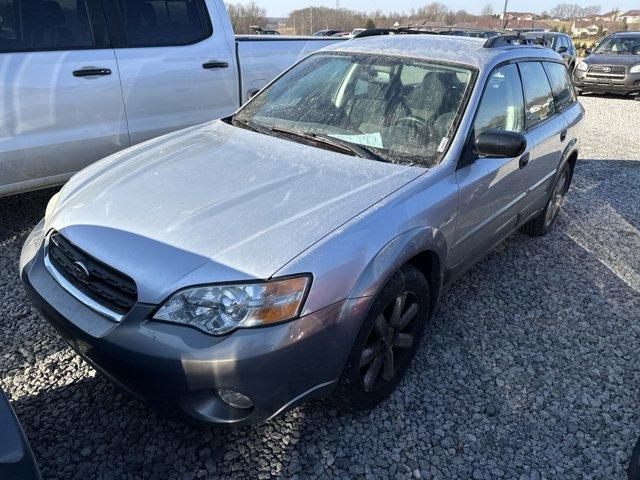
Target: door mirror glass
{"x":500,"y":144}
{"x":562,"y":49}
{"x":587,"y":51}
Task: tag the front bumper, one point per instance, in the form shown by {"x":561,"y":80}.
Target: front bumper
{"x":629,"y":84}
{"x":177,"y":369}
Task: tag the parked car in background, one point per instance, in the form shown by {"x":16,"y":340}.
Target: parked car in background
{"x":81,"y":80}
{"x":298,"y":248}
{"x":356,"y":31}
{"x":472,"y":32}
{"x":559,"y":42}
{"x":326,"y":33}
{"x":258,"y":30}
{"x":16,"y":458}
{"x":612,"y":67}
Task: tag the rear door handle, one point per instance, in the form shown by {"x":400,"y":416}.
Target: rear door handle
{"x":524,"y":160}
{"x":89,"y":72}
{"x":563,"y":136}
{"x":215,"y":64}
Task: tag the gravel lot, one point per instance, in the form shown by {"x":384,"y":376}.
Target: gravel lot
{"x":529,"y":370}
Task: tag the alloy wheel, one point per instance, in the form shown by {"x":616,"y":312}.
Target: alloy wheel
{"x":389,"y":341}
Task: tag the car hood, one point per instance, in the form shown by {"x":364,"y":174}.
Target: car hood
{"x":215,"y":203}
{"x":621,"y":60}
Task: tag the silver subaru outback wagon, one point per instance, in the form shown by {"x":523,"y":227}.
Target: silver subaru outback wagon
{"x":232,"y":270}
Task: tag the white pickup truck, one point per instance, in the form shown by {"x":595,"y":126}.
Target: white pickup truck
{"x":81,"y":79}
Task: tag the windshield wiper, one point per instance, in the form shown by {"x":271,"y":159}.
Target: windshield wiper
{"x":248,"y":124}
{"x":341,"y":146}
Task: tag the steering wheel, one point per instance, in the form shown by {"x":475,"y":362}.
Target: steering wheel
{"x":414,"y":121}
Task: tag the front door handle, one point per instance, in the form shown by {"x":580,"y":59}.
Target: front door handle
{"x":563,"y":136}
{"x":90,"y":72}
{"x":524,"y":160}
{"x":215,"y":64}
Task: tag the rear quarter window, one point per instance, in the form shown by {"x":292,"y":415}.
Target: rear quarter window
{"x":539,"y":102}
{"x":561,"y":86}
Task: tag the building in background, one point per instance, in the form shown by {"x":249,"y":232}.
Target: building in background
{"x":631,"y":17}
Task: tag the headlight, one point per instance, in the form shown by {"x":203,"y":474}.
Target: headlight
{"x":51,"y":206}
{"x":582,"y":67}
{"x":635,"y":69}
{"x":219,"y":309}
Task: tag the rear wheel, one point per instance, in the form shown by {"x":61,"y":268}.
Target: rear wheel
{"x":543,"y":223}
{"x":387,"y":341}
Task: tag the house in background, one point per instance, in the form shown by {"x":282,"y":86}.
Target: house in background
{"x":630,"y":17}
{"x":612,"y":16}
{"x":589,"y":28}
{"x":584,"y":28}
{"x":517,"y":16}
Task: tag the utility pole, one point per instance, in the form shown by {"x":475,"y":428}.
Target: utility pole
{"x":504,"y":14}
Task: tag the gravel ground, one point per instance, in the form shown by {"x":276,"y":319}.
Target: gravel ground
{"x":528,"y":371}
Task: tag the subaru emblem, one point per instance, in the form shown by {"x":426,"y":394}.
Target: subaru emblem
{"x":81,"y":270}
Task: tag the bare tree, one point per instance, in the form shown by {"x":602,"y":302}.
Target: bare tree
{"x":569,"y":11}
{"x":244,"y":16}
{"x":487,"y":10}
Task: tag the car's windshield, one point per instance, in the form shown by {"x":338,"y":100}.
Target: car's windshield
{"x":628,"y":45}
{"x":403,"y":110}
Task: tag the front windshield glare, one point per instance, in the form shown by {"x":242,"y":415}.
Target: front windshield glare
{"x":620,"y":45}
{"x":404,"y":110}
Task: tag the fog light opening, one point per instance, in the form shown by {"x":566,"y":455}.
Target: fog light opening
{"x":234,"y":399}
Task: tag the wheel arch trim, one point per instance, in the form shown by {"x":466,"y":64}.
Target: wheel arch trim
{"x":401,"y":250}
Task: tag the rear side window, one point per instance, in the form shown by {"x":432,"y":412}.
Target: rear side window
{"x":539,"y":104}
{"x":561,"y":86}
{"x":35,"y":25}
{"x":154,"y":23}
{"x":501,"y":106}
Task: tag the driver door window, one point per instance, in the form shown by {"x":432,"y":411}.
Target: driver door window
{"x":501,"y":107}
{"x":491,"y":188}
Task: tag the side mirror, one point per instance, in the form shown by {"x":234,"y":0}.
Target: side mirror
{"x":587,"y":51}
{"x":500,"y":144}
{"x":562,"y":49}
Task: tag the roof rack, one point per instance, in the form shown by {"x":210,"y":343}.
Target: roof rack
{"x":372,"y":32}
{"x":507,"y":40}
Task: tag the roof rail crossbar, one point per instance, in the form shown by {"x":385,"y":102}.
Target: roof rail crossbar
{"x":506,"y":40}
{"x":372,"y":32}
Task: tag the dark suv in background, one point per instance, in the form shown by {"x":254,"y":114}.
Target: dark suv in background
{"x":612,"y":67}
{"x":558,"y":42}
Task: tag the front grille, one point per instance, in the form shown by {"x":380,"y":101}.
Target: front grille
{"x":607,"y":71}
{"x":101,"y":283}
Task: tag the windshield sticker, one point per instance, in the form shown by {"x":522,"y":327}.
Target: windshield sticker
{"x":443,"y":144}
{"x":367,"y":139}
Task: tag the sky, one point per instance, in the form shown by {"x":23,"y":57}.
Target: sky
{"x":277,"y":8}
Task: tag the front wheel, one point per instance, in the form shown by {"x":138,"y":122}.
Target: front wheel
{"x":543,"y":223}
{"x":387,"y":341}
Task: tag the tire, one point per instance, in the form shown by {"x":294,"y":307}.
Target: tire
{"x":388,"y":345}
{"x":543,"y":222}
{"x":634,"y":463}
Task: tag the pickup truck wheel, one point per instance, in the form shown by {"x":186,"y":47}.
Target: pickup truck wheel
{"x":387,"y":341}
{"x":543,"y":223}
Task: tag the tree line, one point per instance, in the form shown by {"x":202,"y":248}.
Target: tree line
{"x":308,"y":20}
